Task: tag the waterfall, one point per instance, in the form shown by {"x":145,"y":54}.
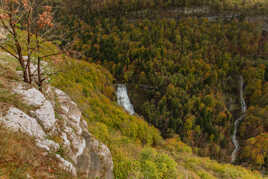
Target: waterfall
{"x":242,"y":100}
{"x":236,"y":124}
{"x":123,"y":99}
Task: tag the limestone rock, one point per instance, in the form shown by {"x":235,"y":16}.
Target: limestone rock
{"x":45,"y":112}
{"x":30,"y":95}
{"x":98,"y":157}
{"x":17,"y":120}
{"x":66,"y":165}
{"x":70,"y":110}
{"x":82,"y":154}
{"x":48,"y":145}
{"x":92,"y":158}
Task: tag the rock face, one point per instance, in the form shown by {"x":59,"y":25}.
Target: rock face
{"x":45,"y":114}
{"x":67,"y":134}
{"x":18,"y":120}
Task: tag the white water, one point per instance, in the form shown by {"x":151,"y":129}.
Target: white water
{"x":236,"y":124}
{"x":123,"y":99}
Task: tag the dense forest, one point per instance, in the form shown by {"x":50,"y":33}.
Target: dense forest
{"x":182,"y":61}
{"x":183,"y":70}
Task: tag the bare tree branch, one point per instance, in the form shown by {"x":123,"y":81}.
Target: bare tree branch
{"x":49,"y":55}
{"x":6,"y":50}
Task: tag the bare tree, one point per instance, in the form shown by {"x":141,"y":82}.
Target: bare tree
{"x":32,"y":20}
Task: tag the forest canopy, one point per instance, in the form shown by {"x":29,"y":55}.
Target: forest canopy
{"x":181,"y":61}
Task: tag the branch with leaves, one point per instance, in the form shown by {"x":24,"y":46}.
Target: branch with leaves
{"x":20,"y":17}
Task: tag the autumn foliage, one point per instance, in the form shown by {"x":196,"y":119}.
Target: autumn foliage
{"x":34,"y":18}
{"x":182,"y":75}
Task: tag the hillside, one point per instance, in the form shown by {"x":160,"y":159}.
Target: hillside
{"x":183,"y":75}
{"x":196,"y":74}
{"x":137,"y":148}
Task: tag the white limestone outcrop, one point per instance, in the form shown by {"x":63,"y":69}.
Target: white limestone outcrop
{"x":80,"y":152}
{"x":45,"y":112}
{"x":17,"y":120}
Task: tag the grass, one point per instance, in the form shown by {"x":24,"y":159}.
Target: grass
{"x":20,"y":157}
{"x":7,"y":97}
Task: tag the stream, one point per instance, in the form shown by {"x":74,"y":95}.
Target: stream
{"x":237,"y":121}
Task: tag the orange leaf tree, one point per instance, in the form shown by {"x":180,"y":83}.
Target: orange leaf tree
{"x":17,"y":16}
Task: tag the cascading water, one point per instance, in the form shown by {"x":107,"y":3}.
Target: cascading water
{"x":123,"y":99}
{"x":243,"y":110}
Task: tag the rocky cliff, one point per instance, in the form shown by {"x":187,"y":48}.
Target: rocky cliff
{"x":56,"y":124}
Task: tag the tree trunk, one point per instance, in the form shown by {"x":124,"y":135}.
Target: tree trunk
{"x":40,"y":81}
{"x":25,"y":75}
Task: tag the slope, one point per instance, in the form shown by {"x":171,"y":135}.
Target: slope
{"x":138,"y":149}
